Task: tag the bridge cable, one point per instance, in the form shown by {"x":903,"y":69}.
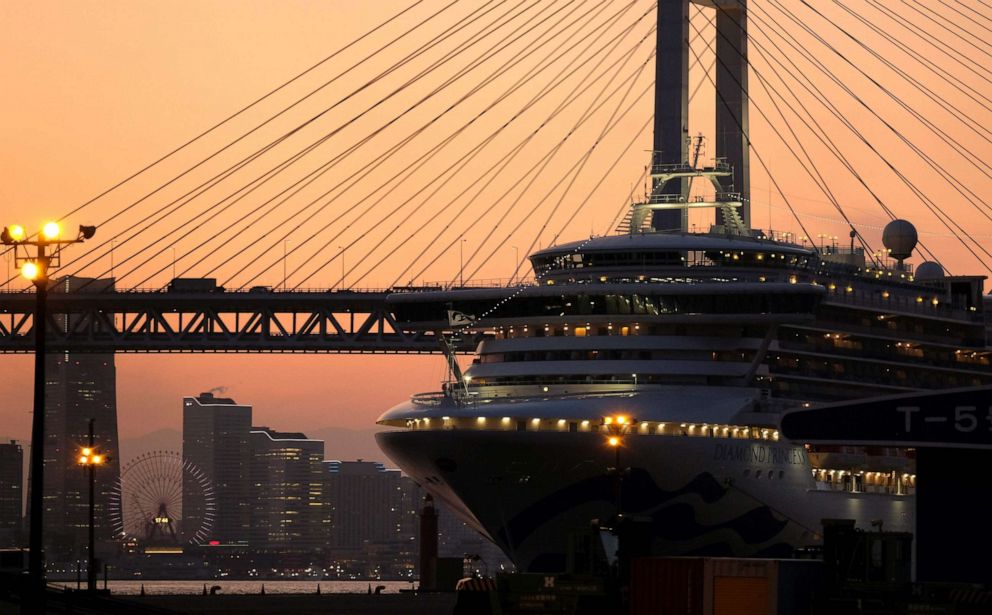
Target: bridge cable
{"x":935,"y":42}
{"x":396,"y":147}
{"x":322,"y":169}
{"x":538,"y":170}
{"x":262,"y":98}
{"x":574,"y":170}
{"x":246,"y":134}
{"x":925,"y":200}
{"x":933,"y":164}
{"x":458,"y":165}
{"x":447,"y":33}
{"x":438,"y":147}
{"x":507,"y":159}
{"x":287,"y":162}
{"x":798,"y":76}
{"x":558,"y":80}
{"x":938,"y":19}
{"x":953,"y":111}
{"x":976,"y":12}
{"x":750,"y":143}
{"x":941,"y":73}
{"x":611,"y":123}
{"x":497,"y":168}
{"x":815,"y":174}
{"x":802,"y":51}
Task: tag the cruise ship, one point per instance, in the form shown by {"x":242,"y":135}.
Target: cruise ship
{"x":689,"y":347}
{"x":669,"y":358}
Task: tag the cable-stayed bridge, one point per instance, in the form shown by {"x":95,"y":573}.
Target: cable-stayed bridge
{"x":454,"y":139}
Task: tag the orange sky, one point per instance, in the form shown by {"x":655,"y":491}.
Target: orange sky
{"x":94,"y":91}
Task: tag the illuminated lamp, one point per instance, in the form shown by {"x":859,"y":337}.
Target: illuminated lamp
{"x":31,"y":271}
{"x":51,"y":231}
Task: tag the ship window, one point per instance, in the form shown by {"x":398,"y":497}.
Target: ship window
{"x":521,"y":425}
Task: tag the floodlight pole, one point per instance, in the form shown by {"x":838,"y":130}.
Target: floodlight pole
{"x":43,"y":263}
{"x":36,"y":563}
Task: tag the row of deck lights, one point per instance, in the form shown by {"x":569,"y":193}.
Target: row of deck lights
{"x":872,"y":478}
{"x":643,"y":428}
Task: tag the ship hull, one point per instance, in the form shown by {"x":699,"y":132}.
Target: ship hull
{"x":535,"y":493}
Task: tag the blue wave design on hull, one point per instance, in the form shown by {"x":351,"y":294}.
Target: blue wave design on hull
{"x":643,"y":497}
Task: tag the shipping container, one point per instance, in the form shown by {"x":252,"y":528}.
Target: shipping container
{"x":722,"y":586}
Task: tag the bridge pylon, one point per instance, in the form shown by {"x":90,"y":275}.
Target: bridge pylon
{"x":671,"y":123}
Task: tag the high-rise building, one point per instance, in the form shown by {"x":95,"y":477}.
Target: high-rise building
{"x":368,"y":504}
{"x":373,"y":517}
{"x":288,"y":509}
{"x":215,"y":439}
{"x":11,"y":494}
{"x":78,"y":387}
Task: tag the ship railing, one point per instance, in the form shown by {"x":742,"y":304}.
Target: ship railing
{"x":842,"y":487}
{"x":483,"y":283}
{"x":904,"y":304}
{"x":728,"y":197}
{"x":657,"y":199}
{"x":432,"y":399}
{"x":828,"y":348}
{"x":680,"y":167}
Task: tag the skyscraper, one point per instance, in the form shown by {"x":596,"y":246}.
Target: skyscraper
{"x":78,"y":387}
{"x":288,"y":509}
{"x":11,"y":492}
{"x":215,"y":439}
{"x":374,"y":518}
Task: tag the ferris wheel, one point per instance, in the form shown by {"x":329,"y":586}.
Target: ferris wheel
{"x":147,"y":502}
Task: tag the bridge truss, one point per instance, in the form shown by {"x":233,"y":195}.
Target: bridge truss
{"x":345,"y":322}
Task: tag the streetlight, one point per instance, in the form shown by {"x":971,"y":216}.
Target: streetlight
{"x":90,"y":458}
{"x":461,"y":263}
{"x":616,"y":427}
{"x":37,"y":268}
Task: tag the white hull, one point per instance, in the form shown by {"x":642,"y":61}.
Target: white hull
{"x":534,"y":492}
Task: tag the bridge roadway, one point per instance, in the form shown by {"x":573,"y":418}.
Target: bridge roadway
{"x":270,"y":321}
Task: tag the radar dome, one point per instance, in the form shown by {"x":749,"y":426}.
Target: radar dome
{"x":929,"y":271}
{"x":899,"y":236}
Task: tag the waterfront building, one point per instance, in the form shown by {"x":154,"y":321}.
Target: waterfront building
{"x":215,"y":439}
{"x":78,"y":387}
{"x":374,"y":515}
{"x":11,"y":494}
{"x":368,"y":503}
{"x":288,"y":509}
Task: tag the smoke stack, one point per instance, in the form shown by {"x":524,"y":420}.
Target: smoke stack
{"x":428,"y":545}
